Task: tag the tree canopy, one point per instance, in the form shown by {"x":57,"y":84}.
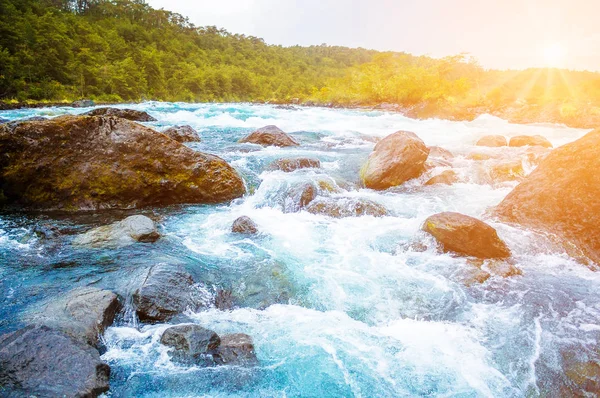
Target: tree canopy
{"x":124,"y":50}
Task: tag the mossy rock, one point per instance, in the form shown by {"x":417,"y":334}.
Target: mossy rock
{"x":96,"y":162}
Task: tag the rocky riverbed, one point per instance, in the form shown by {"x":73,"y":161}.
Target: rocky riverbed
{"x":258,"y":251}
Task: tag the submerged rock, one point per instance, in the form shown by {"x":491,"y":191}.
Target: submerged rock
{"x":530,"y":140}
{"x":236,"y":350}
{"x":466,"y":235}
{"x":83,"y":103}
{"x":40,"y":361}
{"x":270,"y":136}
{"x":346,"y":207}
{"x":122,"y":233}
{"x":3,"y":120}
{"x":244,"y":225}
{"x":561,"y":196}
{"x":83,"y":313}
{"x":507,"y":171}
{"x":87,"y":163}
{"x":192,"y":344}
{"x":129,"y":114}
{"x":289,"y":165}
{"x":182,"y":134}
{"x":440,"y":153}
{"x":447,"y":177}
{"x":165,"y":292}
{"x":396,"y":159}
{"x":492,"y":141}
{"x":582,"y":377}
{"x":299,"y":196}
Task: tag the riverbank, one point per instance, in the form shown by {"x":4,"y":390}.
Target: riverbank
{"x":587,"y":116}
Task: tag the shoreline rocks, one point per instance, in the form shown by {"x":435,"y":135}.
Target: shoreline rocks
{"x":270,"y":136}
{"x":466,"y":235}
{"x":396,"y":159}
{"x":74,"y":163}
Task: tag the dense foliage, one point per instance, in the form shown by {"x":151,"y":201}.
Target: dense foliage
{"x":115,"y":50}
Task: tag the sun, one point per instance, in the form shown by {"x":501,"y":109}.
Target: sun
{"x":554,"y":55}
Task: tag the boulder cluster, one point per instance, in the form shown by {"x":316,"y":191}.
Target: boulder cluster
{"x":104,"y":159}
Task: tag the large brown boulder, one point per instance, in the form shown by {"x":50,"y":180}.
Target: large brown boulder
{"x":530,"y":140}
{"x":88,"y":163}
{"x":129,"y":114}
{"x":561,"y":195}
{"x":270,"y":136}
{"x":466,"y":235}
{"x":396,"y":159}
{"x":492,"y":141}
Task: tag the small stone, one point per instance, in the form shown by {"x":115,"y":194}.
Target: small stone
{"x":244,"y":225}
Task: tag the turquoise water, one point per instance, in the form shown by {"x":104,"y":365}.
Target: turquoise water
{"x":337,"y":307}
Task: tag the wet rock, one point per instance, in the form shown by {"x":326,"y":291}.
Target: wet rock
{"x":479,"y":156}
{"x":86,"y":103}
{"x":447,"y":177}
{"x":289,"y":165}
{"x":472,"y":276}
{"x":530,"y":140}
{"x":2,"y":120}
{"x":224,"y":300}
{"x":11,"y":126}
{"x":122,"y":233}
{"x":346,"y":207}
{"x":88,"y":163}
{"x":83,"y":313}
{"x":561,"y":196}
{"x":39,"y":361}
{"x":582,"y":377}
{"x":165,"y":292}
{"x":182,"y":134}
{"x":492,"y":141}
{"x":236,"y":350}
{"x":440,"y":153}
{"x":244,"y":225}
{"x":270,"y":136}
{"x":396,"y":159}
{"x":46,"y":231}
{"x":129,"y":114}
{"x":507,"y":171}
{"x":466,"y":235}
{"x":192,"y":344}
{"x":502,"y":268}
{"x":299,"y":196}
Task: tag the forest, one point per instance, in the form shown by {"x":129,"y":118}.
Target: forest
{"x":124,"y":50}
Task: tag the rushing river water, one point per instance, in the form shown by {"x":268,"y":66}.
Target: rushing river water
{"x":348,"y":307}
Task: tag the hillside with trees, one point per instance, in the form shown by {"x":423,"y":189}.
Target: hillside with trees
{"x":124,"y":50}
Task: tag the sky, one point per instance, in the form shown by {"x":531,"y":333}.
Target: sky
{"x":501,"y":34}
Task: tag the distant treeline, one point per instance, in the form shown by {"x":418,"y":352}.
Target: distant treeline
{"x":124,"y":50}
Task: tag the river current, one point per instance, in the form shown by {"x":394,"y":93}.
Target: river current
{"x":350,"y":307}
